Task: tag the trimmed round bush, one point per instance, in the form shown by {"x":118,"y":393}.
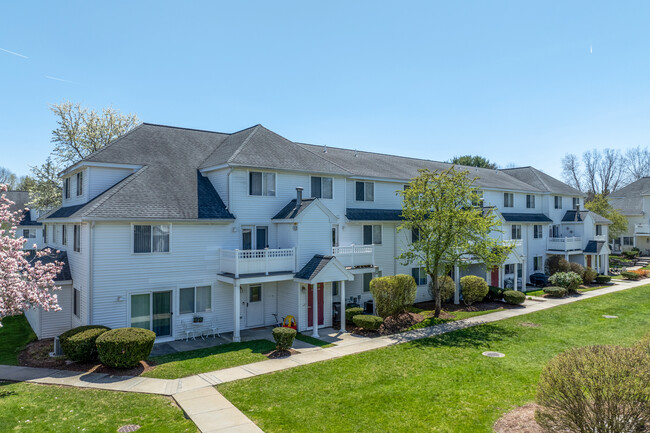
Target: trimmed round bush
{"x":495,"y":293}
{"x":351,"y":312}
{"x":555,"y":264}
{"x":595,"y":389}
{"x":473,"y":288}
{"x":368,"y":322}
{"x":393,"y":294}
{"x":603,"y":279}
{"x":630,"y":276}
{"x":555,"y":292}
{"x":578,"y":269}
{"x":125,"y":347}
{"x":589,"y":276}
{"x":78,"y":344}
{"x":447,"y":288}
{"x":284,"y":338}
{"x":569,"y":280}
{"x":514,"y":297}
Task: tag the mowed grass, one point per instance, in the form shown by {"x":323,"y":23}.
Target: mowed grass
{"x":14,"y":335}
{"x":38,"y":408}
{"x":192,"y":362}
{"x":313,"y":341}
{"x":440,"y":384}
{"x":458,"y":315}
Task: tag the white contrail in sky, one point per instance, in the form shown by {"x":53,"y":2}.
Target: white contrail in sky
{"x":591,"y":50}
{"x":59,"y":79}
{"x":15,"y":54}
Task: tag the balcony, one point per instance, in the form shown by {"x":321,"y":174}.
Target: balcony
{"x":600,"y":238}
{"x":238,"y":262}
{"x":355,"y":256}
{"x":642,"y":229}
{"x":564,"y":244}
{"x":516,"y":244}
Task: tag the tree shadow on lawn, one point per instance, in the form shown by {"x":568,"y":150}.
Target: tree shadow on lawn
{"x":475,"y":337}
{"x":4,"y":394}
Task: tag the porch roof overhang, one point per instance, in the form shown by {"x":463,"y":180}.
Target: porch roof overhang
{"x":322,"y":269}
{"x":255,"y":278}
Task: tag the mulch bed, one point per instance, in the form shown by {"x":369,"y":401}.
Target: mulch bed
{"x":477,"y":306}
{"x":520,"y":420}
{"x":279,"y":354}
{"x":391,"y":325}
{"x":36,"y":354}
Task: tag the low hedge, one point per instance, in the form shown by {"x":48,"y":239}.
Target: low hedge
{"x":589,"y":276}
{"x":495,"y":293}
{"x":602,"y":279}
{"x":368,"y":322}
{"x":78,"y":344}
{"x":630,"y":276}
{"x":351,"y":312}
{"x":514,"y":297}
{"x":555,"y":292}
{"x":284,"y":338}
{"x":125,"y":347}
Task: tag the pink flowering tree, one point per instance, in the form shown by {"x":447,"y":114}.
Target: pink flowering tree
{"x":24,"y":283}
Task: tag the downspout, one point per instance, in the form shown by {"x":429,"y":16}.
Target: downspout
{"x":91,"y":247}
{"x":228,"y":188}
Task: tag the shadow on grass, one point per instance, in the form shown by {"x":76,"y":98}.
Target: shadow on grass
{"x":253,"y":347}
{"x":6,"y":393}
{"x":474,"y":337}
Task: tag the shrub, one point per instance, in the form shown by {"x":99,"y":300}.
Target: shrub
{"x":644,"y":344}
{"x":495,"y":293}
{"x":630,"y":276}
{"x":632,"y":254}
{"x":368,"y":322}
{"x":393,"y":294}
{"x":555,"y":264}
{"x":447,"y":288}
{"x":595,"y":389}
{"x":513,"y":297}
{"x":569,"y":280}
{"x":589,"y":276}
{"x":555,"y":292}
{"x":351,"y":312}
{"x":284,"y":337}
{"x":473,"y":288}
{"x":578,"y":269}
{"x":602,"y":279}
{"x":643,"y":273}
{"x":78,"y":344}
{"x":125,"y":347}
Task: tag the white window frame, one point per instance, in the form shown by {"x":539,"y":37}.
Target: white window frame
{"x":557,"y":199}
{"x":132,"y":247}
{"x":365,"y":190}
{"x":576,"y":202}
{"x":508,"y":199}
{"x":66,"y":187}
{"x":363,"y":282}
{"x":538,"y":263}
{"x":515,"y":228}
{"x":80,"y":183}
{"x":76,"y":238}
{"x":210,"y":310}
{"x":538,"y":234}
{"x":76,"y":302}
{"x":506,"y":267}
{"x":530,"y":199}
{"x":264,"y":190}
{"x":381,"y":231}
{"x":31,"y":233}
{"x":628,"y":241}
{"x":64,"y":235}
{"x":481,"y":200}
{"x":599,"y":229}
{"x":311,"y":179}
{"x":421,"y":275}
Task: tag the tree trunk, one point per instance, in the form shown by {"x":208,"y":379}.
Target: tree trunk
{"x":436,"y":294}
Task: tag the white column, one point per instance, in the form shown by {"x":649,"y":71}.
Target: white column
{"x":502,"y":275}
{"x":457,"y":285}
{"x":237,"y":301}
{"x":342,"y":293}
{"x":514,"y":287}
{"x":314,"y":310}
{"x":524,"y":265}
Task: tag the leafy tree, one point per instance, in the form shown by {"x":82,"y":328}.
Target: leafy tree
{"x":473,"y":161}
{"x":600,"y":205}
{"x":452,"y":232}
{"x":23,"y":285}
{"x":24,"y":183}
{"x":45,"y":190}
{"x":7,"y":177}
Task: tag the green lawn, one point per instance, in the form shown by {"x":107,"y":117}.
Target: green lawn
{"x":458,"y":315}
{"x":14,"y":335}
{"x":312,"y":340}
{"x":440,"y":384}
{"x":198,"y":361}
{"x":36,"y":408}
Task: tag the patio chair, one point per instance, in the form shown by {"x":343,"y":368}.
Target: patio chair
{"x":212,"y":326}
{"x":188,"y":329}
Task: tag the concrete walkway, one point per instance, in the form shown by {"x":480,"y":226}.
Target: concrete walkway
{"x":211,"y":411}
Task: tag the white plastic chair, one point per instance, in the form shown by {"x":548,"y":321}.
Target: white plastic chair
{"x":212,"y":326}
{"x":189,"y":330}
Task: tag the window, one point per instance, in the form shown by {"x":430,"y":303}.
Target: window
{"x":76,"y":302}
{"x":576,"y":202}
{"x":80,"y":183}
{"x":558,"y":202}
{"x":55,"y":231}
{"x":366,"y":282}
{"x":508,"y":199}
{"x":77,"y":237}
{"x":372,"y":234}
{"x":321,"y":187}
{"x":407,"y":186}
{"x":538,"y":263}
{"x":66,"y":187}
{"x":255,"y":293}
{"x":335,"y":288}
{"x":64,"y":235}
{"x":628,"y":241}
{"x":509,"y":269}
{"x":537,"y":231}
{"x":29,"y":233}
{"x":415,"y":235}
{"x":516,"y":231}
{"x":599,"y":230}
{"x":151,"y":238}
{"x":520,"y":270}
{"x":45,"y":233}
{"x":419,"y":276}
{"x":261,"y":183}
{"x":365,"y":191}
{"x":530,"y":201}
{"x":478,"y":200}
{"x":195,"y":300}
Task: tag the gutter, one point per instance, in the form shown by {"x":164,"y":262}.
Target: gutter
{"x":90,"y":272}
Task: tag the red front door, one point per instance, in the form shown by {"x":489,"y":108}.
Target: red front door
{"x":494,"y":279}
{"x":310,"y":304}
{"x":588,"y":261}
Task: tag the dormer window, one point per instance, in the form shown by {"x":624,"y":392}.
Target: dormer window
{"x":261,"y":183}
{"x":321,"y":187}
{"x":66,"y":187}
{"x":80,"y":183}
{"x":599,"y":230}
{"x":365,"y":191}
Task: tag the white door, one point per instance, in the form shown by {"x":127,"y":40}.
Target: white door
{"x":254,"y":306}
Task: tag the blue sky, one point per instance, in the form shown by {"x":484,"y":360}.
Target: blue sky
{"x":512,"y":81}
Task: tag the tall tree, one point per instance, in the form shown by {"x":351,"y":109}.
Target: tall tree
{"x":600,"y":205}
{"x":473,"y":161}
{"x":637,"y":162}
{"x":24,"y":183}
{"x":451,"y":232}
{"x":45,"y":189}
{"x":599,"y":173}
{"x":7,"y":177}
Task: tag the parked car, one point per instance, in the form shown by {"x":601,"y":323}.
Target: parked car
{"x":539,"y":279}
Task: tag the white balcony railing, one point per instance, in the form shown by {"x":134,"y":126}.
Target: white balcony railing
{"x":564,"y":244}
{"x":600,"y":238}
{"x":264,"y":261}
{"x":642,"y":229}
{"x":354,"y":255}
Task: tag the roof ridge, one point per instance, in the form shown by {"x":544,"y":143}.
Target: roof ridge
{"x":300,"y":145}
{"x":241,"y":146}
{"x":534,"y":170}
{"x":186,"y":129}
{"x":106,"y":146}
{"x":117,"y":187}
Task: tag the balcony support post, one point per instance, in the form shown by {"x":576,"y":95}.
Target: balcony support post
{"x":237,"y":307}
{"x":236,"y":263}
{"x":266,"y":261}
{"x":342,"y":315}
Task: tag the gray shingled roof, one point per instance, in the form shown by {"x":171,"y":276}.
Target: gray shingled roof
{"x":373,"y":214}
{"x":594,"y":247}
{"x":541,"y":181}
{"x":21,"y":199}
{"x":628,"y":200}
{"x":573,"y":216}
{"x":291,"y":211}
{"x":526,"y":217}
{"x":313,"y":267}
{"x":51,"y":257}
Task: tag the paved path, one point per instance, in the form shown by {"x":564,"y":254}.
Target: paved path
{"x":212,"y":413}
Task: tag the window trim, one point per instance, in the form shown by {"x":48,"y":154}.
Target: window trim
{"x":194,"y":287}
{"x":151,"y":252}
{"x":76,"y":241}
{"x":66,"y":187}
{"x":576,"y":202}
{"x":535,"y":232}
{"x":515,"y":228}
{"x":373,"y":234}
{"x":76,"y":302}
{"x":64,"y":235}
{"x":80,"y":183}
{"x":599,"y":229}
{"x":311,"y":192}
{"x":365,"y":190}
{"x":275,"y":181}
{"x":363,"y":283}
{"x":541,"y":263}
{"x":556,"y":199}
{"x":418,"y":281}
{"x":530,"y":199}
{"x":508,"y":203}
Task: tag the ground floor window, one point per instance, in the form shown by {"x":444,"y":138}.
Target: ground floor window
{"x":335,"y":288}
{"x":628,"y":240}
{"x":419,"y":275}
{"x":152,"y":311}
{"x":509,"y":269}
{"x":29,"y":233}
{"x":538,"y":263}
{"x":366,"y":282}
{"x":76,"y":302}
{"x":196,"y":299}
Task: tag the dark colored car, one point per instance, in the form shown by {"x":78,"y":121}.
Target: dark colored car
{"x":538,"y":279}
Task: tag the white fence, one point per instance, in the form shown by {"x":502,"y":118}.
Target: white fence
{"x":257,"y":261}
{"x":353,"y":255}
{"x":564,"y":244}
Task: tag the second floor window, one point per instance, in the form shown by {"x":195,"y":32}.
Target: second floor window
{"x":516,"y":231}
{"x":558,"y":202}
{"x":80,"y":183}
{"x":530,"y":201}
{"x":29,"y":233}
{"x":415,"y":235}
{"x":77,"y":238}
{"x":45,"y":233}
{"x":419,"y":276}
{"x":537,"y":231}
{"x":151,"y":238}
{"x":64,"y":235}
{"x":372,"y":234}
{"x":365,"y":191}
{"x":599,"y":230}
{"x":508,"y":199}
{"x":538,"y":263}
{"x":321,"y":187}
{"x":66,"y":187}
{"x":576,"y":202}
{"x":261,"y":183}
{"x":478,"y":200}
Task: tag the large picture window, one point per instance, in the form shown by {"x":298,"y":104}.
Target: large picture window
{"x":261,"y":183}
{"x":321,"y":187}
{"x":151,"y":238}
{"x":365,"y":191}
{"x":195,"y":300}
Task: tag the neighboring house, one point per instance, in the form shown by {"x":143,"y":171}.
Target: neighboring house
{"x":29,"y":227}
{"x":633,"y":202}
{"x":165,"y":224}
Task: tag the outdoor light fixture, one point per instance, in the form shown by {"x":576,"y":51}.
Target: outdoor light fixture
{"x":120,"y":299}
